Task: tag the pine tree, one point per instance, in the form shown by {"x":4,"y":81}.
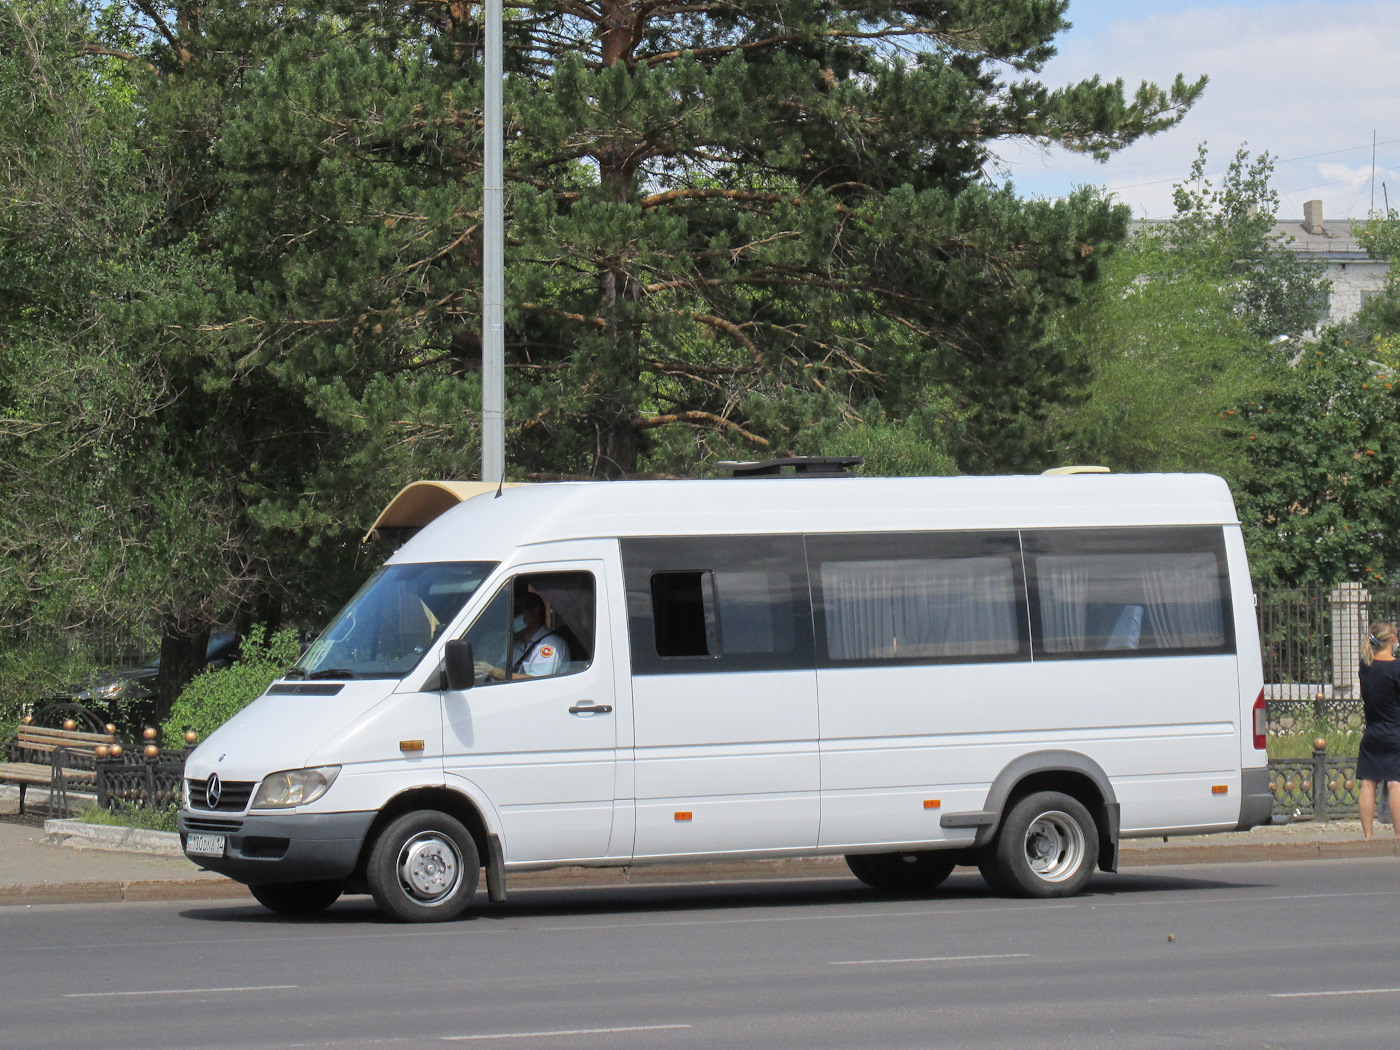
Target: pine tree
{"x":731,"y":228}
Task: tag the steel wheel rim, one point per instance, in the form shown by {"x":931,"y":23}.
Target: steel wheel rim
{"x":430,"y":868}
{"x":1054,"y":846}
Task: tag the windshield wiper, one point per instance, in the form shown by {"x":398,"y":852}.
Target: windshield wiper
{"x":331,"y":672}
{"x":295,"y":672}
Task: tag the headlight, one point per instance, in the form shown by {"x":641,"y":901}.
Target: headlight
{"x":294,"y":787}
{"x":106,"y":692}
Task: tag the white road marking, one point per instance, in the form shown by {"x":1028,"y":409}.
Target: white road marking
{"x":930,"y":959}
{"x":1349,"y":991}
{"x":565,"y":1031}
{"x":180,"y":991}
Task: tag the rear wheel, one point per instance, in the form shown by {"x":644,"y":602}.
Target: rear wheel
{"x":1048,"y":846}
{"x":297,"y":898}
{"x":912,"y":872}
{"x":424,"y":868}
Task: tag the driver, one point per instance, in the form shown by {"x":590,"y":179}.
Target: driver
{"x":536,"y":651}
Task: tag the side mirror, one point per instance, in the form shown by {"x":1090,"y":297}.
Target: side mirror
{"x":458,"y":667}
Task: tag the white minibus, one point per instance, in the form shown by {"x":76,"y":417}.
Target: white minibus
{"x":913,"y":673}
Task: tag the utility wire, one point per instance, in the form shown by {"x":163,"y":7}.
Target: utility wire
{"x":1284,"y":160}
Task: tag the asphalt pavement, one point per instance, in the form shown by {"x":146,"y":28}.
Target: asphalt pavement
{"x":43,"y":867}
{"x":1164,"y":957}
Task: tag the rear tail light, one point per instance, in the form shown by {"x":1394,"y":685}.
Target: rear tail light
{"x":1261,"y":723}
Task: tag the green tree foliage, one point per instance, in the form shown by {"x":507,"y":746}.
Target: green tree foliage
{"x":213,"y":697}
{"x":122,"y":522}
{"x":1380,"y":315}
{"x":1319,"y":502}
{"x":1184,"y":325}
{"x":727,"y":226}
{"x":733,"y":231}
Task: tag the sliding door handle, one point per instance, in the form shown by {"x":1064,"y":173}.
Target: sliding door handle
{"x":587,"y":708}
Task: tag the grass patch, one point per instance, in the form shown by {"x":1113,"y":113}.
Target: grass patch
{"x":124,"y":816}
{"x":1300,"y":745}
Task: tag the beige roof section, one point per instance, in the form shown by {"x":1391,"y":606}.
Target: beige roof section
{"x":422,"y":501}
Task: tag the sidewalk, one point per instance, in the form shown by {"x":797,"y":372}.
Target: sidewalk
{"x":39,"y":868}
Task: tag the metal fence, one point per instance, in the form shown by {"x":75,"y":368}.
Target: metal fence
{"x":1309,"y":637}
{"x":1321,"y":787}
{"x":135,"y":780}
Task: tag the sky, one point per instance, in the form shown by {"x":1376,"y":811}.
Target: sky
{"x":1309,"y":82}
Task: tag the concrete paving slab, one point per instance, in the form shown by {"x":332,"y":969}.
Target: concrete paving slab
{"x":102,"y":836}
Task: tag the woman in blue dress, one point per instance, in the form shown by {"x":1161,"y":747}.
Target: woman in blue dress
{"x":1380,"y":744}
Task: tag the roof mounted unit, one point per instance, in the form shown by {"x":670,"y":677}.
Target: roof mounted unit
{"x":825,"y":466}
{"x":1076,"y":470}
{"x":420,"y":502}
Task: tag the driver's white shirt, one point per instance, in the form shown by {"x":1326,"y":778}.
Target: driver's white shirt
{"x":546,"y":654}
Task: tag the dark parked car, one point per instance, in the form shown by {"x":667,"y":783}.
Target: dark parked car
{"x":115,"y":689}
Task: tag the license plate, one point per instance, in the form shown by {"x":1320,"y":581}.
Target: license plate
{"x":205,"y":845}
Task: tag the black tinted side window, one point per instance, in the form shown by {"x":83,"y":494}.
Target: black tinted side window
{"x":728,"y":603}
{"x":913,"y":598}
{"x":1129,"y":592}
{"x":682,"y":605}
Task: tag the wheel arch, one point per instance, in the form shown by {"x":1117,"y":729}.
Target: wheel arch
{"x":454,"y":803}
{"x":1068,"y":772}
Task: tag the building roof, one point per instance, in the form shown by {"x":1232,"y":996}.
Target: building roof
{"x":1338,"y":240}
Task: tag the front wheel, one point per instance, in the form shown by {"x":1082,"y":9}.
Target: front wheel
{"x":297,"y":898}
{"x":1048,"y":846}
{"x":913,"y":872}
{"x":424,"y":868}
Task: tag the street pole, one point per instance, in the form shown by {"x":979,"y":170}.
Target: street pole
{"x":493,"y":280}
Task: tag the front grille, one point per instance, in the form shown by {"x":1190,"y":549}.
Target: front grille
{"x":233,"y":795}
{"x":222,"y":827}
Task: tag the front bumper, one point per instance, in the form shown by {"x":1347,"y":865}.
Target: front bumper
{"x":279,"y":847}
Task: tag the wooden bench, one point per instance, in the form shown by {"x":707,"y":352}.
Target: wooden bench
{"x":54,"y":758}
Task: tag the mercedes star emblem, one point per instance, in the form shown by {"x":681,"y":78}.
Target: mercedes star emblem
{"x":212,"y":791}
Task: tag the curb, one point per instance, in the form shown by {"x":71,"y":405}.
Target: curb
{"x":101,"y":836}
{"x":1242,"y":853}
{"x":118,"y":892}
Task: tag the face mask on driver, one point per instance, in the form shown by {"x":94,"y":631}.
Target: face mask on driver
{"x":518,"y":624}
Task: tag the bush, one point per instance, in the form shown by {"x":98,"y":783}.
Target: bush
{"x":212,"y":698}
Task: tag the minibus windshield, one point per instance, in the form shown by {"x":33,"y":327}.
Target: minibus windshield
{"x":387,"y":627}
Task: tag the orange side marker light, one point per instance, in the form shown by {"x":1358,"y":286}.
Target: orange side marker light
{"x":682,"y":814}
{"x":932,"y":803}
{"x":1220,"y":789}
{"x":410,"y":745}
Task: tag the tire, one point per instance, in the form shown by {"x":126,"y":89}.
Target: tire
{"x":297,"y":898}
{"x":914,"y":872}
{"x":423,"y":868}
{"x":1048,"y":846}
{"x":987,"y":866}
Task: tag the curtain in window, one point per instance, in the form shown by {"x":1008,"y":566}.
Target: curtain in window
{"x":1183,"y":600}
{"x":1064,"y":603}
{"x":919,"y":608}
{"x":1095,"y":602}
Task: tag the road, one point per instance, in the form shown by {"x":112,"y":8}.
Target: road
{"x":1230,"y":955}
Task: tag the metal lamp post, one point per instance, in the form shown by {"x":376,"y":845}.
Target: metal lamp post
{"x":493,"y":308}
